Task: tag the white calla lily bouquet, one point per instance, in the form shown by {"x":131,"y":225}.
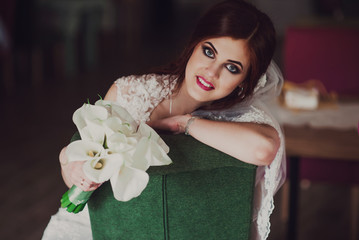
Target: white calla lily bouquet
{"x":114,"y":147}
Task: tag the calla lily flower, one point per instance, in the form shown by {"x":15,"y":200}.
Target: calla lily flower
{"x":102,"y":168}
{"x":145,"y":130}
{"x":114,"y":148}
{"x":128,"y":183}
{"x":89,"y":122}
{"x":118,"y":142}
{"x":119,"y":112}
{"x":116,"y":125}
{"x":83,"y":150}
{"x":151,"y":151}
{"x":100,"y":163}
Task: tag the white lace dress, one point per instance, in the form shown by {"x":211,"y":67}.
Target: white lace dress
{"x":140,"y":95}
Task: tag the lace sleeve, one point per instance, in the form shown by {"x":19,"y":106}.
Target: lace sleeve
{"x":139,"y":95}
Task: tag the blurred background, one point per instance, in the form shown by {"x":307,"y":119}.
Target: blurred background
{"x":56,"y":54}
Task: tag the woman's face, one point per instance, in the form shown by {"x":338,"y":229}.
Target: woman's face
{"x":216,"y":67}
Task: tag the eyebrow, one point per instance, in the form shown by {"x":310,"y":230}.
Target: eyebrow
{"x":215,"y":50}
{"x":232,"y":61}
{"x":237,"y":62}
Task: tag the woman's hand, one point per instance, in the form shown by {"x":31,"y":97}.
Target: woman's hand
{"x":175,"y":124}
{"x":73,"y":174}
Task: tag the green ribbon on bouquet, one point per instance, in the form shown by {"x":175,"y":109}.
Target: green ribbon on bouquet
{"x":74,"y":200}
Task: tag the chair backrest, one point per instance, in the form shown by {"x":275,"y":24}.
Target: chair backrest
{"x":203,"y":194}
{"x":328,"y":54}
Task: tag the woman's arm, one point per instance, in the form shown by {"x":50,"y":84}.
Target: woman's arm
{"x":249,"y":142}
{"x":111,"y":94}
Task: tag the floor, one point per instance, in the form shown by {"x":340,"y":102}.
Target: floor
{"x":36,"y":123}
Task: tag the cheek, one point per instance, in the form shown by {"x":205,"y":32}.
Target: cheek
{"x":189,"y":64}
{"x":231,"y":88}
{"x":187,"y":72}
{"x":196,"y":61}
{"x":232,"y":81}
{"x":191,"y":67}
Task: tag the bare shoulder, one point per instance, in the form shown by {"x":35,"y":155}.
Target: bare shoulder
{"x":111,"y":94}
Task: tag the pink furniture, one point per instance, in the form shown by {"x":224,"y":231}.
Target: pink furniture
{"x":331,"y":55}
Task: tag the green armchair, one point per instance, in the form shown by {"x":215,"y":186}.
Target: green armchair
{"x":204,"y":194}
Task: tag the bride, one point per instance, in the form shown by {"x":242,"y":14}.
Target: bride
{"x":215,"y":92}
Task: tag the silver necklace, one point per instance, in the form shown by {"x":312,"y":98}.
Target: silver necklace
{"x":170,"y":105}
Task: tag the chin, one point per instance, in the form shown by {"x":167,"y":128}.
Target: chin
{"x":198,"y":95}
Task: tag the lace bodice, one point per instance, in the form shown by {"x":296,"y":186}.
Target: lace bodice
{"x":139,"y":95}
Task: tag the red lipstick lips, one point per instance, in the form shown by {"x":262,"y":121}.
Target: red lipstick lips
{"x":204,"y":84}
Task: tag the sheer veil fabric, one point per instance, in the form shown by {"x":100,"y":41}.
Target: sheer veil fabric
{"x":268,"y":178}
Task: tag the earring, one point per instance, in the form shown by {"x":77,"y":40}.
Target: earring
{"x":240,"y":91}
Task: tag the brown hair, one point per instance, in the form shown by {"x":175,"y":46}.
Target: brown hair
{"x":239,"y":20}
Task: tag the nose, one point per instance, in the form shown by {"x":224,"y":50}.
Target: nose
{"x":213,"y":70}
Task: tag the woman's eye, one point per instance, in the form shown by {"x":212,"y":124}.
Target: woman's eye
{"x":232,"y":68}
{"x":208,"y":52}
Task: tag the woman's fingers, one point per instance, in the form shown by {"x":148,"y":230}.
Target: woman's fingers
{"x":86,"y":185}
{"x":79,"y":178}
{"x":94,"y":186}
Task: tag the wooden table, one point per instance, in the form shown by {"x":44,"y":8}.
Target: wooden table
{"x":331,"y":144}
{"x":326,"y":143}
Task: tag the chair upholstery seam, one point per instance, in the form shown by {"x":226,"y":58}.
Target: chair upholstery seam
{"x":165,"y":207}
